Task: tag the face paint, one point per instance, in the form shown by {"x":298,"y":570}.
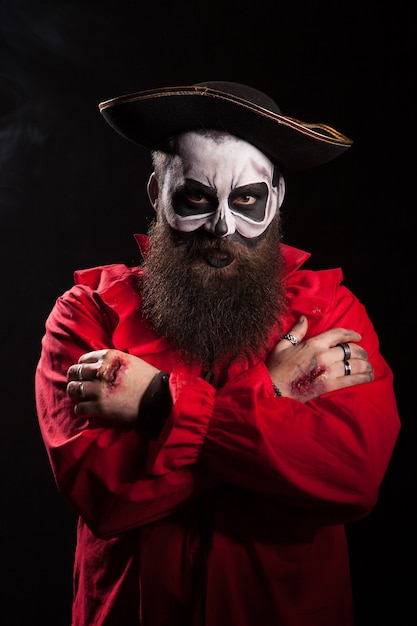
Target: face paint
{"x":221,"y":183}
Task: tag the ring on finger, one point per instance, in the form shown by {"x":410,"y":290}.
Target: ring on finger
{"x":80,"y":372}
{"x":80,"y":390}
{"x":291,"y":339}
{"x":348,"y":368}
{"x":346,"y":350}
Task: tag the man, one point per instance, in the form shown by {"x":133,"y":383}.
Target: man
{"x":217,"y":414}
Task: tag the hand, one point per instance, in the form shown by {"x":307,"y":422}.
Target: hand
{"x":109,"y":384}
{"x":318,"y":365}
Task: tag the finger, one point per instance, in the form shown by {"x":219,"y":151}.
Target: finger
{"x":346,"y":349}
{"x":357,"y":367}
{"x":347,"y":367}
{"x":86,"y":408}
{"x":354,"y":351}
{"x":295,"y":334}
{"x":82,"y":371}
{"x":331,"y":338}
{"x":91,"y":357}
{"x":342,"y":336}
{"x":80,"y":390}
{"x":74,"y":372}
{"x":76,"y":389}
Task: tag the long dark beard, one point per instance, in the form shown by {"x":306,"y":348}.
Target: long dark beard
{"x":209,"y":314}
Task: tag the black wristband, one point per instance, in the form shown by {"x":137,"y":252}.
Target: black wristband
{"x":155,"y":404}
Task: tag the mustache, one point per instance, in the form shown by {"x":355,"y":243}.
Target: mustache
{"x":200,"y":244}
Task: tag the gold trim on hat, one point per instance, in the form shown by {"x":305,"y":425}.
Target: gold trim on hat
{"x":318,"y":131}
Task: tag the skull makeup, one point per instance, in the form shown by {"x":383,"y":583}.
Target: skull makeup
{"x":221,"y":183}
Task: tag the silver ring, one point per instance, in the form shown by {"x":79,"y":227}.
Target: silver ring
{"x":346,"y":350}
{"x":81,"y":390}
{"x":79,"y":372}
{"x":348,"y":368}
{"x":291,"y":339}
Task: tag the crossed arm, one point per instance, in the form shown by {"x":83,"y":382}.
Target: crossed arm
{"x":324,"y":445}
{"x":111,"y":384}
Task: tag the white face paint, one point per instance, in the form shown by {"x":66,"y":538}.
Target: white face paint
{"x":222,"y":183}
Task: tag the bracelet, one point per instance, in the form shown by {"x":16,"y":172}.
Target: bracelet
{"x":155,"y":404}
{"x":276,"y":390}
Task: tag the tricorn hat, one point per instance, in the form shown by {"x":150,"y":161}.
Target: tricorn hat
{"x":149,"y":118}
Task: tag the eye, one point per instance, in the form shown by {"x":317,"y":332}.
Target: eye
{"x":250,"y":201}
{"x":195,"y":198}
{"x":245,"y":200}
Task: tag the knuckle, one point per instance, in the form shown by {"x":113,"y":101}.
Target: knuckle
{"x":362,"y":353}
{"x":71,"y":389}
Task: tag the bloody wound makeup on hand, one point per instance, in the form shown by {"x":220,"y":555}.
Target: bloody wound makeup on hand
{"x":112,"y":370}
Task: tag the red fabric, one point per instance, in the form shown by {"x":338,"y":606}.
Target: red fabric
{"x":235,"y":515}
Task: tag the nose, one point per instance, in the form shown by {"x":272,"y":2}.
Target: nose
{"x":222,"y":223}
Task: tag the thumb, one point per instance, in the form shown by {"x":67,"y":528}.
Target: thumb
{"x":295,"y":335}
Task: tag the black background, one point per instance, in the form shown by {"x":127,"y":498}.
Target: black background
{"x":72,"y":193}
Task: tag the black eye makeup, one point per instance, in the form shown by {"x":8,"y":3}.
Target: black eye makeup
{"x":194,"y":198}
{"x":250,"y":201}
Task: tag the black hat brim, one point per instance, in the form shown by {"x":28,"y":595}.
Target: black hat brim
{"x":149,"y":118}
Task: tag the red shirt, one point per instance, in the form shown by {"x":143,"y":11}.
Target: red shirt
{"x":234,"y":515}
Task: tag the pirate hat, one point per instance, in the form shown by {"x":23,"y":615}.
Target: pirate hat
{"x":149,"y":118}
